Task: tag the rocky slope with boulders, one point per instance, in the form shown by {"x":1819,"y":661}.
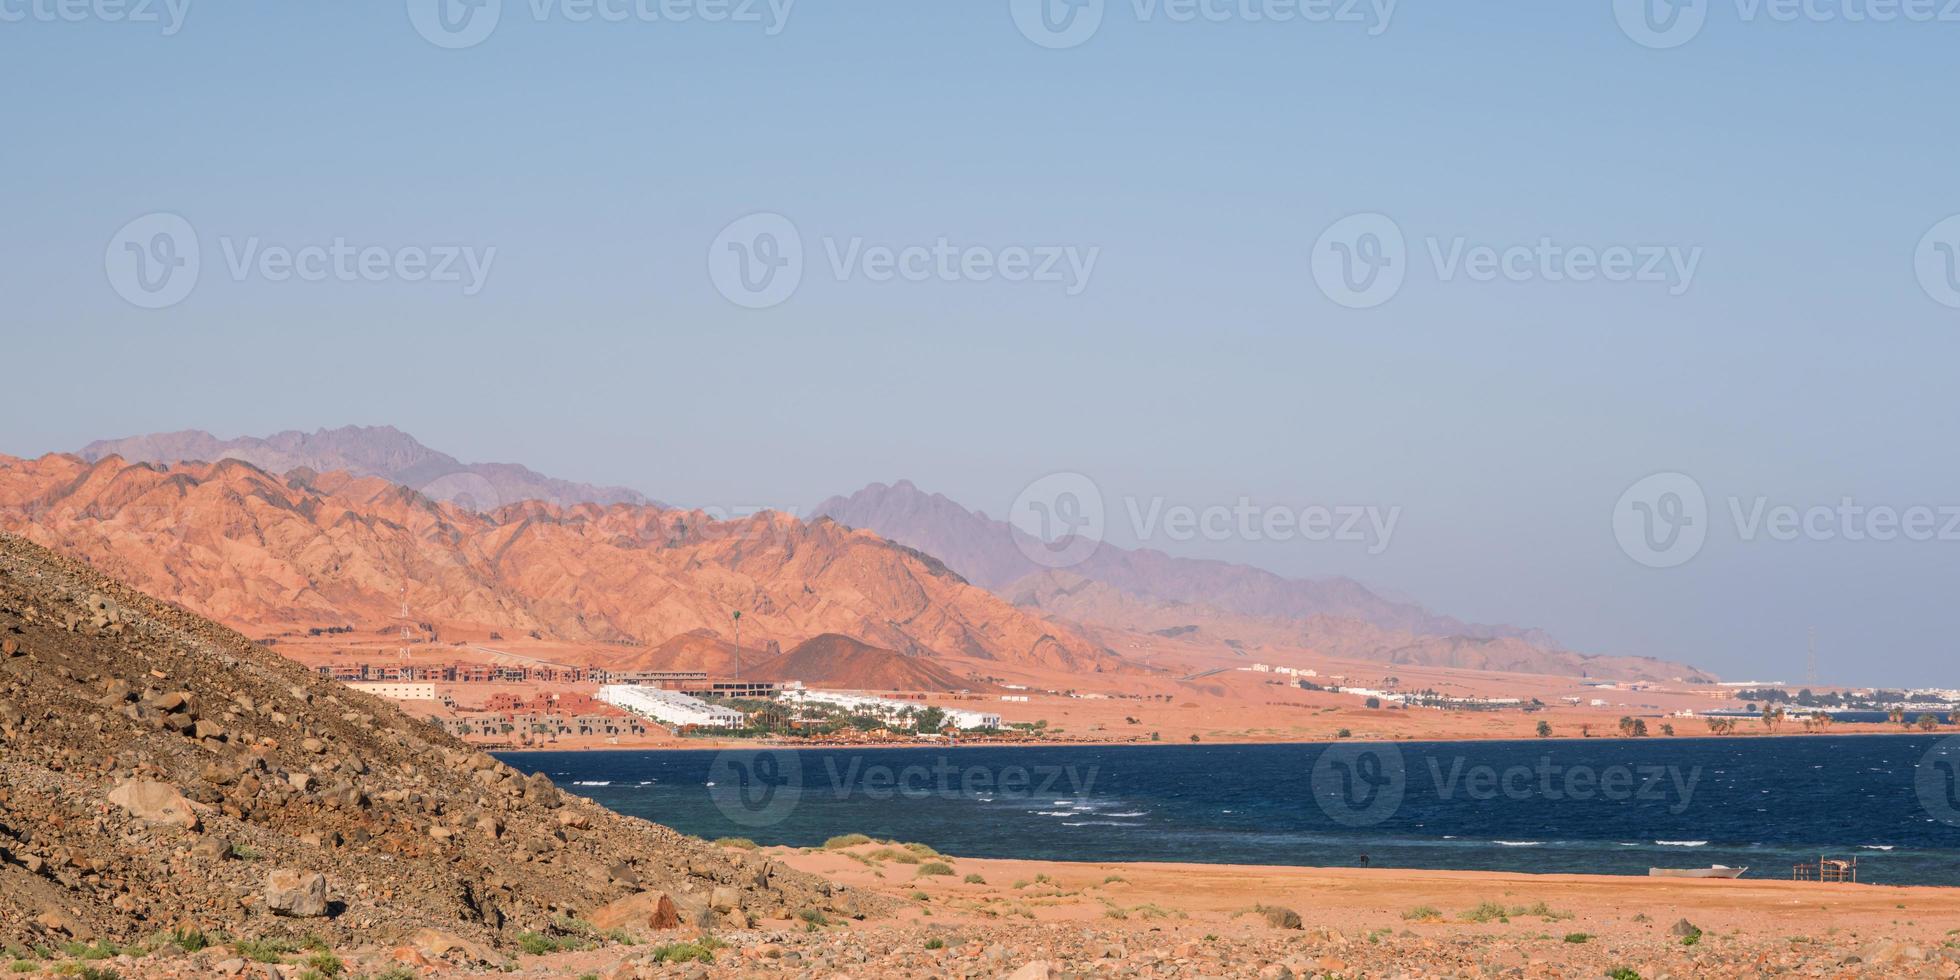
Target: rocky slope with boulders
{"x":159,"y":771}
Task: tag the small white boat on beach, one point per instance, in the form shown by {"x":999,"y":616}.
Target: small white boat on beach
{"x":1717,"y":871}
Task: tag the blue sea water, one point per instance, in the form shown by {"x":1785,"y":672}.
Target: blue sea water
{"x":1600,"y":806}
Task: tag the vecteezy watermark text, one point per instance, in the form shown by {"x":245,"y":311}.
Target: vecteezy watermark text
{"x":169,"y":15}
{"x":1060,"y":24}
{"x":1362,"y":261}
{"x":1062,"y":518}
{"x":1663,"y":24}
{"x":1663,"y":520}
{"x":467,"y":23}
{"x":156,"y":261}
{"x":1547,"y":780}
{"x":757,"y":788}
{"x":1364,"y":784}
{"x":758,"y":261}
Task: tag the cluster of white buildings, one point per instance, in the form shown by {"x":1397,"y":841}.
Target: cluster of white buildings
{"x":671,"y":707}
{"x":889,"y":709}
{"x":1369,"y":692}
{"x":1283,"y":671}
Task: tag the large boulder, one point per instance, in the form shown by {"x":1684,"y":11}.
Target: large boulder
{"x":301,"y":894}
{"x":646,"y":910}
{"x":155,"y":802}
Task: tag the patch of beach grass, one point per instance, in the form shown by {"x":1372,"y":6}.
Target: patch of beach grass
{"x":1423,"y":913}
{"x":934,"y":869}
{"x":842,"y":841}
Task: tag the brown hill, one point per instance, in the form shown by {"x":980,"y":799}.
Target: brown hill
{"x":269,"y":554}
{"x":156,"y":770}
{"x":831,"y":660}
{"x":700,"y":650}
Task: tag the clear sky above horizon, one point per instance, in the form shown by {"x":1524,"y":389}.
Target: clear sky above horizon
{"x":1803,"y":167}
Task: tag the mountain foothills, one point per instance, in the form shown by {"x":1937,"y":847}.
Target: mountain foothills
{"x":331,"y":542}
{"x":1212,"y":602}
{"x":310,"y":550}
{"x":159,"y":772}
{"x":381,"y":451}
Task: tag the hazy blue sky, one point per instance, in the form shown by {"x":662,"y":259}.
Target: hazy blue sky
{"x":1199,"y":361}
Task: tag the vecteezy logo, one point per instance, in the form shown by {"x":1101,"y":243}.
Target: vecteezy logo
{"x":757,"y":262}
{"x":1937,"y":261}
{"x":1361,"y":260}
{"x":1662,"y":521}
{"x":1058,"y":23}
{"x":465,"y":490}
{"x":153,"y":261}
{"x":1359,"y":785}
{"x":755,"y":788}
{"x":1661,"y":24}
{"x":455,"y":24}
{"x":1057,"y":521}
{"x":1937,"y":781}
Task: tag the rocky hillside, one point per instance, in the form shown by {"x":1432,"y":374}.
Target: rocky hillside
{"x":306,"y":550}
{"x":158,"y":770}
{"x":381,"y":451}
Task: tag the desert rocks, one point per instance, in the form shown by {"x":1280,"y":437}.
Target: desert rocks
{"x":158,"y":803}
{"x":298,"y":894}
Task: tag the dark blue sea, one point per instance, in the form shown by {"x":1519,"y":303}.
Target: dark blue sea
{"x":1601,"y":806}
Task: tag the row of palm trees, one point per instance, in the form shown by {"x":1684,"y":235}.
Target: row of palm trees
{"x":1774,"y":717}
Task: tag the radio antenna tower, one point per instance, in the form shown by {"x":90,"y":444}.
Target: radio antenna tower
{"x":405,"y":620}
{"x":1810,"y":667}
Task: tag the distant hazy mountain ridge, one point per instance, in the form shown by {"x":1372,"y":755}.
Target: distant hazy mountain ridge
{"x":381,"y":451}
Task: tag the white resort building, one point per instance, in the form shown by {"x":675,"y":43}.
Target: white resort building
{"x":671,"y":707}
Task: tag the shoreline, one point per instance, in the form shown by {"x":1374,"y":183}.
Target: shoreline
{"x":724,"y":744}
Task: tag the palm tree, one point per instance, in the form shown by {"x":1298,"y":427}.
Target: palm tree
{"x":1896,"y":716}
{"x":1626,"y":724}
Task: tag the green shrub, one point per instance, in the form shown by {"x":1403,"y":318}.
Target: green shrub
{"x":935,"y":943}
{"x":538,"y":944}
{"x":701,"y":950}
{"x":265,"y":949}
{"x":1577,"y":937}
{"x":24,"y":966}
{"x":325,"y":964}
{"x":842,"y":841}
{"x":98,"y":950}
{"x":742,"y":843}
{"x":974,"y":879}
{"x":1422,"y":913}
{"x":934,"y":869}
{"x":1622,"y":973}
{"x":814,"y":917}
